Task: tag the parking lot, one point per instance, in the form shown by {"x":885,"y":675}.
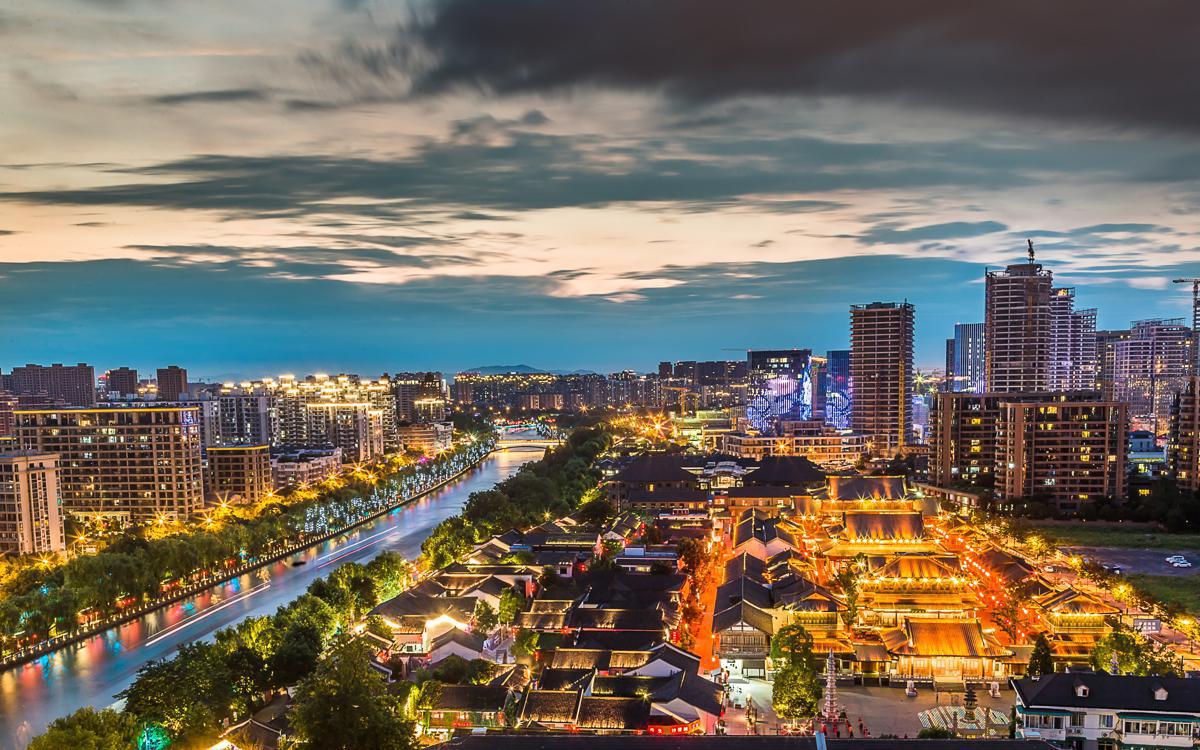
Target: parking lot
{"x":1148,"y":561}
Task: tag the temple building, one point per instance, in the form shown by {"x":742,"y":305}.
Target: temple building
{"x":945,"y":651}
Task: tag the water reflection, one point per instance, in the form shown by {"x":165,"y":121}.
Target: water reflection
{"x":91,"y":672}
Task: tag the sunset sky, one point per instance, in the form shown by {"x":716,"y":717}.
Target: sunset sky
{"x":254,"y":187}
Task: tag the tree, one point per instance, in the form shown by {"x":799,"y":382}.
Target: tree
{"x":89,"y":729}
{"x":297,"y":655}
{"x":797,"y":691}
{"x":485,"y":617}
{"x":189,"y":695}
{"x":511,"y":605}
{"x":1134,"y":655}
{"x":935,"y":733}
{"x":595,"y":513}
{"x":345,"y":705}
{"x":1041,"y":661}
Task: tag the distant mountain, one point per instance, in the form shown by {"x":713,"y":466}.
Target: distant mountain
{"x":502,"y":369}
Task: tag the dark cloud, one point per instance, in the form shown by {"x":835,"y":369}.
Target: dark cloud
{"x":891,"y":234}
{"x":217,"y":96}
{"x":1104,"y":60}
{"x":492,"y":165}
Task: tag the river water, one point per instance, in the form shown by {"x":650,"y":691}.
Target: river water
{"x":91,"y":672}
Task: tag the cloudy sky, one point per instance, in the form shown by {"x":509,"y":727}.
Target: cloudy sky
{"x":285,"y":185}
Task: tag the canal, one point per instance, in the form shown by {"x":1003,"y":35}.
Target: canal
{"x":91,"y":672}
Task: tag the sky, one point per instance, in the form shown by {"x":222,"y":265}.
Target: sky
{"x":374,"y":185}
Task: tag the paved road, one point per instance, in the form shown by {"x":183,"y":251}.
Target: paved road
{"x":1150,"y":561}
{"x":91,"y":672}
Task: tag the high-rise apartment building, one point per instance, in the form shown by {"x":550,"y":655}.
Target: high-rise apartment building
{"x":969,"y":358}
{"x":71,"y":385}
{"x":31,"y":519}
{"x":1183,"y":447}
{"x":1072,"y":343}
{"x":172,"y":383}
{"x":964,"y":433}
{"x":356,"y":428}
{"x":243,"y":416}
{"x":881,"y":373}
{"x":1106,"y":359}
{"x":780,"y":388}
{"x":1063,"y":452}
{"x":1149,"y":368}
{"x":1017,"y":328}
{"x":237,"y":473}
{"x":838,"y":388}
{"x":121,"y":382}
{"x":8,"y":404}
{"x":132,"y":463}
{"x":419,"y":396}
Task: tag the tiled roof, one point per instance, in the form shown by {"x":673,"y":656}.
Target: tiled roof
{"x":470,"y":698}
{"x":879,"y":526}
{"x":794,"y":471}
{"x":1113,"y":692}
{"x":616,"y":619}
{"x":862,"y":488}
{"x":921,"y":637}
{"x":746,"y":612}
{"x":565,"y":679}
{"x":551,"y":706}
{"x":613,"y":713}
{"x":659,"y":468}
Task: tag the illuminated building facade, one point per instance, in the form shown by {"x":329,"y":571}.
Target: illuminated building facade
{"x":172,"y":383}
{"x":31,"y":521}
{"x":781,"y":387}
{"x":237,"y":473}
{"x":71,"y":385}
{"x":1072,"y":343}
{"x":1183,"y":448}
{"x":1150,"y":366}
{"x":881,"y":373}
{"x":1066,"y":453}
{"x":129,"y":463}
{"x":965,"y":365}
{"x":1017,"y":329}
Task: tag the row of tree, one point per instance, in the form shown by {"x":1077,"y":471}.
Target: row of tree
{"x":550,"y":488}
{"x":193,"y":694}
{"x":40,"y":600}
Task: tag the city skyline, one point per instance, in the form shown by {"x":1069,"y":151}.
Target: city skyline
{"x":415,"y":180}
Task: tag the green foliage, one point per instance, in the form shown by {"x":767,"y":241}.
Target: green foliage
{"x":545,"y":489}
{"x":797,"y":690}
{"x":595,"y":513}
{"x":511,"y":605}
{"x":89,"y":729}
{"x":1135,"y":655}
{"x":486,"y":617}
{"x":935,"y":733}
{"x":189,"y":695}
{"x":34,"y":598}
{"x":1041,"y":660}
{"x":345,"y":705}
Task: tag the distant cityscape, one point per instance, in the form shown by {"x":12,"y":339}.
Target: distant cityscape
{"x":737,"y":546}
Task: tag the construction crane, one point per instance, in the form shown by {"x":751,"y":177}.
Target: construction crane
{"x":1195,"y":318}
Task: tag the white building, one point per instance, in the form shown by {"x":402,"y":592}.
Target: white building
{"x":31,"y":521}
{"x":1099,"y":711}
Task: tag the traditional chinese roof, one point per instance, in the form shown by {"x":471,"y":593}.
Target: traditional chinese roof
{"x":744,"y":612}
{"x":917,"y":566}
{"x":884,"y":525}
{"x":409,"y":603}
{"x":1071,"y":602}
{"x":616,"y":619}
{"x":667,"y":495}
{"x":598,"y":658}
{"x":656,"y":468}
{"x":745,"y":565}
{"x":785,"y":471}
{"x":866,"y":488}
{"x":551,"y":706}
{"x":921,"y":637}
{"x":565,"y":679}
{"x":470,"y":698}
{"x":1111,"y":692}
{"x":596,"y":713}
{"x":541,"y":620}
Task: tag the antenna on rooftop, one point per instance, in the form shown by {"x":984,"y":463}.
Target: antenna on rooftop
{"x":1030,"y":250}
